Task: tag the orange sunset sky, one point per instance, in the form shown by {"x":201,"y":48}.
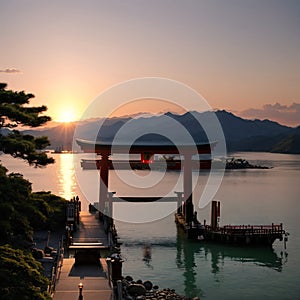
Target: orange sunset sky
{"x":240,"y":55}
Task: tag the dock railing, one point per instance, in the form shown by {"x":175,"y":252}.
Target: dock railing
{"x":56,"y":269}
{"x":249,"y":229}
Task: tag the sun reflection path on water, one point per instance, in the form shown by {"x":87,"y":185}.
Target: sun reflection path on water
{"x":66,"y":176}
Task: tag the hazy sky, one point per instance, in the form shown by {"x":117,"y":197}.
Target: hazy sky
{"x":241,"y":55}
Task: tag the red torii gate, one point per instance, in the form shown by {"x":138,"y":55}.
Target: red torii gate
{"x":105,"y":149}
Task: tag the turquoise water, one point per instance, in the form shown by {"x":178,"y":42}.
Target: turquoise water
{"x":193,"y":268}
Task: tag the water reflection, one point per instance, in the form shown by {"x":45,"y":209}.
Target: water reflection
{"x":189,"y":252}
{"x":185,"y":258}
{"x":147,"y":256}
{"x":66,"y":175}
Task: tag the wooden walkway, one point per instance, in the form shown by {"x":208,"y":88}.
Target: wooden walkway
{"x":94,"y":277}
{"x":90,"y":228}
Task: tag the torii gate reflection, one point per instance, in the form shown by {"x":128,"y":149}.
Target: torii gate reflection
{"x":146,"y":150}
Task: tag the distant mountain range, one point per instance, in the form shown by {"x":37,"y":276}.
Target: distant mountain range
{"x":240,"y":134}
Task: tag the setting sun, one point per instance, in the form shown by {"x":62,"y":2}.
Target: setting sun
{"x":66,"y":116}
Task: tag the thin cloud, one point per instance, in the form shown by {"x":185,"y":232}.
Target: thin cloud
{"x":284,"y":114}
{"x":10,"y":71}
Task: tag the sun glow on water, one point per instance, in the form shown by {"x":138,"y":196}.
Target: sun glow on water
{"x":66,"y":176}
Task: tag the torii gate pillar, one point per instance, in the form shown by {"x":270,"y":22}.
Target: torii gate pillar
{"x":104,"y":171}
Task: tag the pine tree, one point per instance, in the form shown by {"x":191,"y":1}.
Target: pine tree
{"x":15,"y":112}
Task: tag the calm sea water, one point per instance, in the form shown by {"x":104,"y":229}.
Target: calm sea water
{"x":192,"y":268}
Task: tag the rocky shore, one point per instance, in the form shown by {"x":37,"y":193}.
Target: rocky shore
{"x":139,"y":290}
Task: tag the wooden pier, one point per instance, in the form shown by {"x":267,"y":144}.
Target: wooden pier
{"x":85,"y":263}
{"x":244,"y":235}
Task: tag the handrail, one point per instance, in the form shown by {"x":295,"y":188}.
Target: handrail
{"x":248,"y":229}
{"x":56,"y":269}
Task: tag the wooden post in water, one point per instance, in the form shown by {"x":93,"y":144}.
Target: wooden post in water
{"x":214,"y":214}
{"x":218,"y":213}
{"x":187,"y":188}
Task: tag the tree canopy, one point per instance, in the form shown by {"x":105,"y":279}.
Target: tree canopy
{"x":22,"y":211}
{"x":21,"y":276}
{"x":15,"y":112}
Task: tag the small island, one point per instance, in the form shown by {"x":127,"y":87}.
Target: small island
{"x":240,"y":163}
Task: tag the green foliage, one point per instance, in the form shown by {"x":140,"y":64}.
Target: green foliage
{"x":15,"y":112}
{"x":15,"y":226}
{"x":52,"y":207}
{"x":21,"y":276}
{"x":23,"y":211}
{"x":12,"y":107}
